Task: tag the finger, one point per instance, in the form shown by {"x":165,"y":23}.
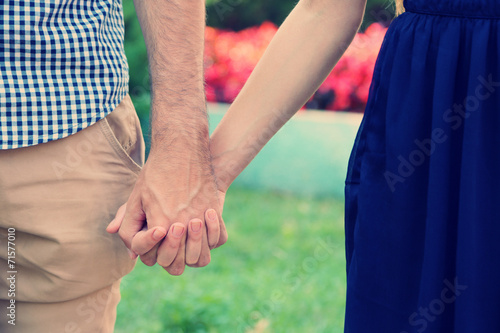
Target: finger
{"x":223,"y":232}
{"x":114,"y":225}
{"x":179,"y":263}
{"x":205,"y":256}
{"x":213,"y":227}
{"x":133,"y":222}
{"x":145,"y":240}
{"x":193,"y":243}
{"x":149,"y":259}
{"x":132,"y":254}
{"x":169,"y":248}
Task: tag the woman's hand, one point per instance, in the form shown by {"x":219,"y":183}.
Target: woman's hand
{"x":146,"y":239}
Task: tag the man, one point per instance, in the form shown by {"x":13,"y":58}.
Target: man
{"x":72,"y":152}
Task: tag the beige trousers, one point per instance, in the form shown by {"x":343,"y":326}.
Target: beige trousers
{"x":56,"y":200}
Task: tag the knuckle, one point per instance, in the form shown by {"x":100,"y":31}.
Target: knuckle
{"x":138,"y":250}
{"x":163,"y":263}
{"x":173,"y":245}
{"x":194,"y":236}
{"x":222,"y":239}
{"x":175,"y":270}
{"x":204,"y":261}
{"x":141,"y":246}
{"x":147,"y":261}
{"x":191,"y":261}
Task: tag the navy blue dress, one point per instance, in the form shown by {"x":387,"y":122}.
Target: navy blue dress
{"x":423,"y":185}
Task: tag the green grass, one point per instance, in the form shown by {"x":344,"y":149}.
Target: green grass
{"x":282,"y":270}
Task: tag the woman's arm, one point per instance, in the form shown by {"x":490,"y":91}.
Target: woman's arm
{"x":302,"y":54}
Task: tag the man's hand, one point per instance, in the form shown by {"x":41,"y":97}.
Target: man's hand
{"x":145,"y":239}
{"x":173,"y":201}
{"x":176,"y":185}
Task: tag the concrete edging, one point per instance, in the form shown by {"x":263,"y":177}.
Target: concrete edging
{"x":308,"y":156}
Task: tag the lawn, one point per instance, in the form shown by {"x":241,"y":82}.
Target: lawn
{"x":282,"y":270}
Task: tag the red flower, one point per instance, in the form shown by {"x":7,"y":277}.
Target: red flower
{"x":230,"y":58}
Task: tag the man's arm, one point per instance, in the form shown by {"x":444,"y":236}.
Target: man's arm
{"x":174,"y":35}
{"x":177,"y":182}
{"x":301,"y":55}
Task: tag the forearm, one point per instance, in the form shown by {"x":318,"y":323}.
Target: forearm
{"x":300,"y":57}
{"x":174,"y":35}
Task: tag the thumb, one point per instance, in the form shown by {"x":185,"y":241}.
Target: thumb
{"x":145,"y":240}
{"x":132,"y":222}
{"x":115,"y":224}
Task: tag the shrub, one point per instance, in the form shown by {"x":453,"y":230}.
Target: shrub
{"x":231,"y":56}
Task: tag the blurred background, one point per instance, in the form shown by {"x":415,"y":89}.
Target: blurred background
{"x":283,"y":268}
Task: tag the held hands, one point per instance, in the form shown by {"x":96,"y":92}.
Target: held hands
{"x":146,"y":239}
{"x":173,"y":216}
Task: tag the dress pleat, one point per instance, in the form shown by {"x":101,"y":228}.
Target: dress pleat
{"x":422,"y":189}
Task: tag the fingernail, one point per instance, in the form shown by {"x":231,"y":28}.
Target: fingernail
{"x":158,"y":234}
{"x":196,"y":226}
{"x":178,"y":231}
{"x":212,"y":215}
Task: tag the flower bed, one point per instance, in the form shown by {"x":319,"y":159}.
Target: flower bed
{"x":231,"y":56}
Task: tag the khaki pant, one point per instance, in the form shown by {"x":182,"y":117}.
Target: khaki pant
{"x":59,"y":198}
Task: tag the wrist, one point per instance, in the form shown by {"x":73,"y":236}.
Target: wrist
{"x":180,"y":131}
{"x":225,"y":169}
{"x":183,"y":140}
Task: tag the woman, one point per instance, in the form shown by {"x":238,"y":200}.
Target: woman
{"x":422,"y":219}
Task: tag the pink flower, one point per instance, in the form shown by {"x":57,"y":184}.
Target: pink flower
{"x":230,"y":57}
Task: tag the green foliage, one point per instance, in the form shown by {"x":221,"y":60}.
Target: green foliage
{"x":137,"y":57}
{"x":241,"y":14}
{"x":282,"y":270}
{"x":226,"y":14}
{"x":378,"y":11}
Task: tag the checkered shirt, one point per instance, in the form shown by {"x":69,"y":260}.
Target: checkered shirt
{"x":62,"y":67}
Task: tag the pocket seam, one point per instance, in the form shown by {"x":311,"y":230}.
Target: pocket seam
{"x":117,"y":147}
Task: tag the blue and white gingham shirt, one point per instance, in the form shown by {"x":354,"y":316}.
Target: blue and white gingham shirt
{"x":62,"y":67}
